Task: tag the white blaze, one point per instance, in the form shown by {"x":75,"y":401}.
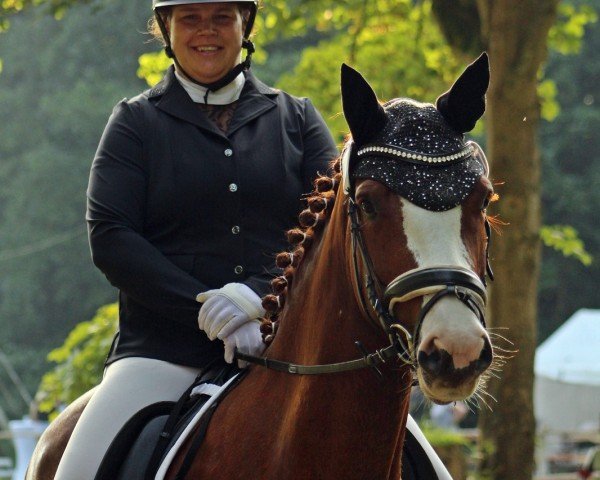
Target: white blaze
{"x":434,"y":237}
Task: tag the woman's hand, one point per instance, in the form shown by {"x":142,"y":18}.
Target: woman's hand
{"x":247,"y":339}
{"x":230,"y":314}
{"x":226,"y":309}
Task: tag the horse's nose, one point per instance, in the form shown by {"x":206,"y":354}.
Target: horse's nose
{"x":439,"y":361}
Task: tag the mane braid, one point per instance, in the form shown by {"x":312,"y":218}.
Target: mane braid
{"x":312,"y":220}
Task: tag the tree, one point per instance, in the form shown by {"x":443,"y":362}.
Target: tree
{"x":515,"y":33}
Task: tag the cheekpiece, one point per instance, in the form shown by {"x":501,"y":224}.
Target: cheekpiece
{"x":420,"y":157}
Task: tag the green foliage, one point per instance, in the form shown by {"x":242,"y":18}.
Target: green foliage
{"x":442,"y":437}
{"x":564,"y":239}
{"x":396,"y":45}
{"x":547,"y":94}
{"x":153,"y":66}
{"x":54,"y":7}
{"x":567,"y":34}
{"x":80,"y":361}
{"x":570,"y":175}
{"x":54,"y":105}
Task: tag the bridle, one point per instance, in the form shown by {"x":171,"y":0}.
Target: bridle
{"x":439,"y":281}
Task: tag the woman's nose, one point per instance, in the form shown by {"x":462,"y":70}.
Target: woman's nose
{"x":206,"y":27}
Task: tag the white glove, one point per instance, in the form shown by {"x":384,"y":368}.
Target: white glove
{"x":225,"y":310}
{"x":247,"y":339}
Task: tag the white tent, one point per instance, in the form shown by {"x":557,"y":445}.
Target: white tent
{"x":567,"y":375}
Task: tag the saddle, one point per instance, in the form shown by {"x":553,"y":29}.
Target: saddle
{"x":148,"y":442}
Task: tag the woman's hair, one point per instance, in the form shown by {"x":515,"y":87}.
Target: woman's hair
{"x":165,"y":13}
{"x":154,"y":28}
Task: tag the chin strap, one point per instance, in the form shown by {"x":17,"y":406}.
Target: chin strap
{"x":229,"y":77}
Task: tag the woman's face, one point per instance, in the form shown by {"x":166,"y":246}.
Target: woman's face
{"x":206,"y":38}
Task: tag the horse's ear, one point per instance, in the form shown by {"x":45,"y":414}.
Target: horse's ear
{"x":464,"y":103}
{"x":364,"y":114}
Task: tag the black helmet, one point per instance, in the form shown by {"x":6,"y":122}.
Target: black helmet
{"x":246,"y":43}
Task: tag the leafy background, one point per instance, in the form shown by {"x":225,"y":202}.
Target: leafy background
{"x":61,"y":78}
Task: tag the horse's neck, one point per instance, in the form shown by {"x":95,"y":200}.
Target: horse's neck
{"x":322,"y":320}
{"x":320,"y":324}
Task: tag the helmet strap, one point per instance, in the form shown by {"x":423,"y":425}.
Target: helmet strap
{"x":163,"y":29}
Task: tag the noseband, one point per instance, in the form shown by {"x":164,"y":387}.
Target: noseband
{"x":439,"y":281}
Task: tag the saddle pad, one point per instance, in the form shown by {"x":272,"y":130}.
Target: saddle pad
{"x":215,"y":392}
{"x":419,"y":459}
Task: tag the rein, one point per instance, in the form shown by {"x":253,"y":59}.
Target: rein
{"x":368,"y":360}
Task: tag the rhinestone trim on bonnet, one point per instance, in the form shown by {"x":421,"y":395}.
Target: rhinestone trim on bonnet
{"x":414,"y":156}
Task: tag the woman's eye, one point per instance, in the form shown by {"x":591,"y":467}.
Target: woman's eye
{"x":223,"y":19}
{"x":189,"y":19}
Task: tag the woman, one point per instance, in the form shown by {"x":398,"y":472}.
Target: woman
{"x":193,"y":184}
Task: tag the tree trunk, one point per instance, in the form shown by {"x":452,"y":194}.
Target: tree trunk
{"x":515,"y":32}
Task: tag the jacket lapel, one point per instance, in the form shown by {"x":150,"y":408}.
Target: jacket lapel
{"x":175,"y":101}
{"x":256,"y":99}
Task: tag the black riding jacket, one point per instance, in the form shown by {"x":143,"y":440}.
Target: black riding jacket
{"x":176,"y":207}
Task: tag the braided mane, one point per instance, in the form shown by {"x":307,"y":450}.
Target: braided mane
{"x":312,"y":219}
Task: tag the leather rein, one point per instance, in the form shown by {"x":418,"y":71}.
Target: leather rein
{"x":439,"y":281}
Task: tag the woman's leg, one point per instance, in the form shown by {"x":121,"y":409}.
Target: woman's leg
{"x":128,"y":385}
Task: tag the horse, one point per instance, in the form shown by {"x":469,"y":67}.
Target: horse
{"x":383,"y":286}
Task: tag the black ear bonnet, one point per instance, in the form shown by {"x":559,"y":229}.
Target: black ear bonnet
{"x":415,"y":149}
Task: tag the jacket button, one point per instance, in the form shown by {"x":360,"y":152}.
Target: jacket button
{"x":238,"y":270}
{"x":233,"y":187}
{"x":235,"y":230}
{"x":228,"y":152}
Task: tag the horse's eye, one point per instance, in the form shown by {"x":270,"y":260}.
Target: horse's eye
{"x":486,"y":202}
{"x":367,"y":207}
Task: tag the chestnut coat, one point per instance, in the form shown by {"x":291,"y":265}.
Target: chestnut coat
{"x":177,"y":207}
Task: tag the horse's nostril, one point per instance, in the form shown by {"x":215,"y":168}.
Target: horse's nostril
{"x":431,"y":362}
{"x":485,"y":359}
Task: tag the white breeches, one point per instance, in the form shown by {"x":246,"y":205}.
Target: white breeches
{"x":129,"y":385}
